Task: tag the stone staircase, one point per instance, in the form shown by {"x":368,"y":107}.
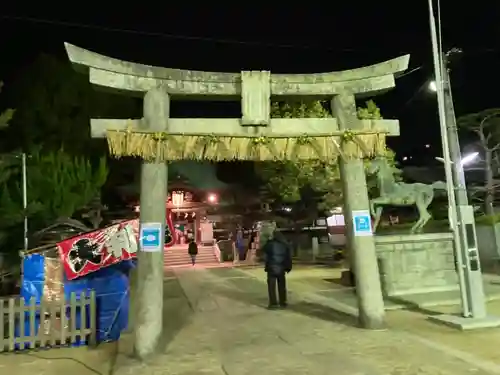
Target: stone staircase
{"x":178,"y":256}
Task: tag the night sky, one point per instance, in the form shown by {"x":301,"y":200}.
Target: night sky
{"x":311,"y":38}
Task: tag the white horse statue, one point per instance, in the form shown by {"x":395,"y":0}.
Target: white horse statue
{"x":394,"y":193}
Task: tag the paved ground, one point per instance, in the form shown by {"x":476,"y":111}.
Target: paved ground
{"x":216,"y":323}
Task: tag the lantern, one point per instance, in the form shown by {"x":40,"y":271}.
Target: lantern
{"x":177,"y":198}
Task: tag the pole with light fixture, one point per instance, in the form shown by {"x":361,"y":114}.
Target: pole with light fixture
{"x":461,"y":215}
{"x":452,"y":212}
{"x":464,"y":160}
{"x":454,"y":142}
{"x":465,"y":212}
{"x":468,"y":263}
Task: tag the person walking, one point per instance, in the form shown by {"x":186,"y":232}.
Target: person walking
{"x":240,"y":245}
{"x":278,"y":262}
{"x":193,"y":251}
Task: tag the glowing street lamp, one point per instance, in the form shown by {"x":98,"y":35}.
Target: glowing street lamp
{"x":432,"y":86}
{"x":212,"y":198}
{"x":467,"y":159}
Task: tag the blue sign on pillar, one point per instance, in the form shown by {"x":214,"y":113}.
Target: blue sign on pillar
{"x":362,"y":223}
{"x":150,"y":237}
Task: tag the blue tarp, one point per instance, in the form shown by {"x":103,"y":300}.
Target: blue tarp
{"x":33,"y":277}
{"x":111,"y":286}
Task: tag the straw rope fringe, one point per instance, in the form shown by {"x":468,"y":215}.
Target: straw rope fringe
{"x":166,"y":147}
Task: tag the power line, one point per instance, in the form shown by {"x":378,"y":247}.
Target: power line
{"x":199,"y":38}
{"x":411,"y":71}
{"x":178,"y":37}
{"x":184,"y":37}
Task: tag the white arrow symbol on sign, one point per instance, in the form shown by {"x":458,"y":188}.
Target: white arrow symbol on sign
{"x":150,"y":237}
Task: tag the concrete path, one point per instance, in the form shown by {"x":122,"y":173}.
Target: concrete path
{"x":216,"y":323}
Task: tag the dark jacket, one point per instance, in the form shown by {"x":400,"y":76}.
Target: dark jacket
{"x":278,"y":255}
{"x":193,"y":248}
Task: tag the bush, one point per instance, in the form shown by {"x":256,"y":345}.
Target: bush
{"x":488,"y":219}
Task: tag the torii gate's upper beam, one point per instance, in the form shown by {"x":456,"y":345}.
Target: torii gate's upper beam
{"x":123,"y":75}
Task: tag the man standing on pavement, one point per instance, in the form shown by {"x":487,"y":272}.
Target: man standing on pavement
{"x":278,"y":256}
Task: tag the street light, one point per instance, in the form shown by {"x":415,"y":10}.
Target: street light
{"x":432,"y":86}
{"x":467,"y":159}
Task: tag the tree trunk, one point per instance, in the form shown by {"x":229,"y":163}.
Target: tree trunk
{"x":490,"y":187}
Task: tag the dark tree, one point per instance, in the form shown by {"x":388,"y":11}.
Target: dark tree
{"x":54,"y":104}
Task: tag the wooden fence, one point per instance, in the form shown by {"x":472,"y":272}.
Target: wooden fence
{"x":48,"y":324}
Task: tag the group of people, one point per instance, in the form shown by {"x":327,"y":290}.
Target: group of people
{"x":278,"y":262}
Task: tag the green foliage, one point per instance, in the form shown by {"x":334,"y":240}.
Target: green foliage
{"x":58,"y":184}
{"x":8,"y":217}
{"x":370,"y":112}
{"x":288,"y":181}
{"x":53,"y":110}
{"x":304,"y":109}
{"x":488,"y":219}
{"x":54,"y":104}
{"x":6,"y":115}
{"x":61,"y":183}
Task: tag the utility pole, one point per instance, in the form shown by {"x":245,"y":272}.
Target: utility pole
{"x":452,"y":213}
{"x":461,"y":215}
{"x":25,"y":199}
{"x":466,"y":224}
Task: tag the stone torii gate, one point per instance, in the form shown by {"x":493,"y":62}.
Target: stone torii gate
{"x":157,"y":139}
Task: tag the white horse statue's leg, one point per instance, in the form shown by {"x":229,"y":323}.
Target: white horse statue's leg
{"x":416,"y":227}
{"x":424,"y":215}
{"x":376,"y":211}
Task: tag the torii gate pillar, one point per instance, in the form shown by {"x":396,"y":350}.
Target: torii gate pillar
{"x":361,"y":248}
{"x":154,"y":184}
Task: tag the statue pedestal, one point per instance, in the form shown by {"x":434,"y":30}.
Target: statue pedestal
{"x":416,"y":263}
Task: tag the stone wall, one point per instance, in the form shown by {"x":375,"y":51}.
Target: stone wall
{"x":418,"y":263}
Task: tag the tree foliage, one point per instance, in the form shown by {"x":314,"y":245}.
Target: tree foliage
{"x":62,"y":183}
{"x":311,"y":184}
{"x":5,"y":164}
{"x":7,"y":168}
{"x":58,"y":185}
{"x":58,"y":182}
{"x":485,"y":125}
{"x":6,"y":115}
{"x":54,"y":104}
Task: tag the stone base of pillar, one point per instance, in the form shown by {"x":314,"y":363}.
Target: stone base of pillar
{"x":347,"y":278}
